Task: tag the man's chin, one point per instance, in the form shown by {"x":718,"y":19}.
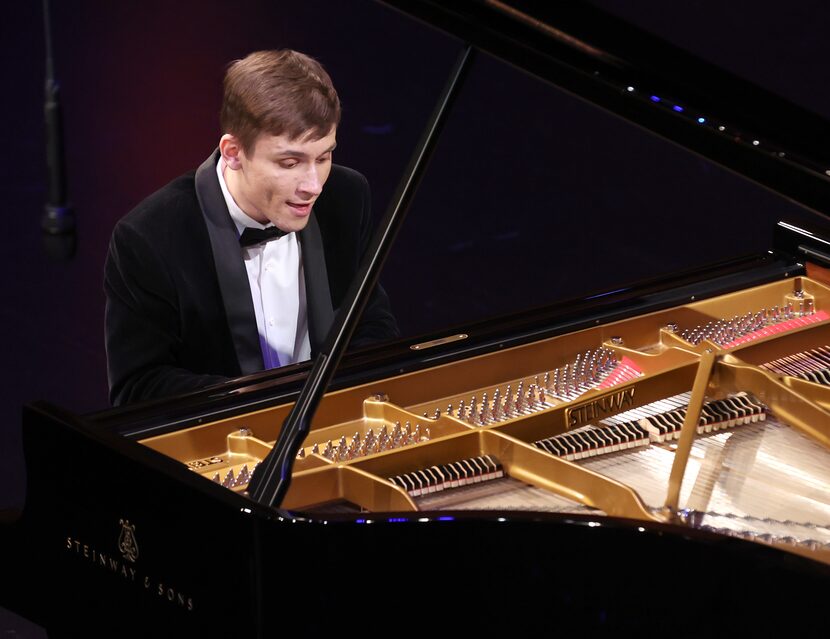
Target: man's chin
{"x":293,"y":225}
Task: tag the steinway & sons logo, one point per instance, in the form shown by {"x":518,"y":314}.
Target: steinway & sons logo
{"x":599,"y":408}
{"x":126,"y":541}
{"x":126,"y":568}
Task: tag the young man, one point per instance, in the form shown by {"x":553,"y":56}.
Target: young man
{"x":240,"y":266}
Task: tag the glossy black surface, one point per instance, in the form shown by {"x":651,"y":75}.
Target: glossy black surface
{"x":230,"y":568}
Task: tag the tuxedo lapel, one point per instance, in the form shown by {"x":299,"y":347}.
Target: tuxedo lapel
{"x":318,"y":296}
{"x":230,"y":268}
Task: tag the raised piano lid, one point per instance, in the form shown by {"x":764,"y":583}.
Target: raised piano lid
{"x":145,"y":488}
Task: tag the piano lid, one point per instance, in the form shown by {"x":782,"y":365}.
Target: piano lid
{"x":610,"y":62}
{"x":585,"y":157}
{"x":781,"y":51}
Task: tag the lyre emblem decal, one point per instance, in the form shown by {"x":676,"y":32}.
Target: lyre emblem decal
{"x":126,"y":540}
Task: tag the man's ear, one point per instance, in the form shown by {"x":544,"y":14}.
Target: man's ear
{"x":231,"y":151}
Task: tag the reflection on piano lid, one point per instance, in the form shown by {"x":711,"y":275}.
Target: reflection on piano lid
{"x":552,"y":465}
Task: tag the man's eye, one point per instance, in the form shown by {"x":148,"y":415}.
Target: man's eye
{"x":288,"y":164}
{"x":324,"y":159}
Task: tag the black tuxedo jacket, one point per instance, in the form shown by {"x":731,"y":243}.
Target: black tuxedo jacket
{"x":179,"y":313}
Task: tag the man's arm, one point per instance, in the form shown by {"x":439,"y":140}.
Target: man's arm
{"x":142,"y":323}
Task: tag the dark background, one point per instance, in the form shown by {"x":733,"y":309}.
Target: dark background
{"x":523,"y":169}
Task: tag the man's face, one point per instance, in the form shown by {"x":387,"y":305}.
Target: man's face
{"x":280,"y":180}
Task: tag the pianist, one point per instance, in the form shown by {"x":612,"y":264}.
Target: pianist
{"x":239,"y":266}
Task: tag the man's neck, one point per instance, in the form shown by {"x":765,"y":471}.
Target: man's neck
{"x":232,"y":180}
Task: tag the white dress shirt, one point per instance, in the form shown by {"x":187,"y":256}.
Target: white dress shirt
{"x":275,"y":275}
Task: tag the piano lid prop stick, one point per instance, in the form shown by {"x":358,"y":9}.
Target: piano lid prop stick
{"x":271,"y":479}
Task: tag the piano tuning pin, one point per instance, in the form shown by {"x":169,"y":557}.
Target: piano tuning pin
{"x":449,"y":409}
{"x":384,"y":432}
{"x":408,"y":428}
{"x":484,"y":415}
{"x":301,"y":453}
{"x":244,"y":476}
{"x":426,"y":436}
{"x":328,"y":452}
{"x":315,"y":450}
{"x":437,"y":413}
{"x":217,"y":479}
{"x":228,"y":482}
{"x":461,"y":414}
{"x":497,"y":406}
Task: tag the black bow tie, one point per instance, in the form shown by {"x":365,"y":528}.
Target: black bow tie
{"x":251,"y":236}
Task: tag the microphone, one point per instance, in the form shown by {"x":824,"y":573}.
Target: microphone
{"x":58,"y":221}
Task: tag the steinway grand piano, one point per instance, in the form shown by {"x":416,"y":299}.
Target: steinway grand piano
{"x":652,"y":456}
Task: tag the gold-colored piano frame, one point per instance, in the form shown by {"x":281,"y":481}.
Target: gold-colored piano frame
{"x":669,"y":364}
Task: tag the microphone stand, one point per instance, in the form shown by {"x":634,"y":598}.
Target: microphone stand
{"x":58,"y":222}
{"x":272,"y":477}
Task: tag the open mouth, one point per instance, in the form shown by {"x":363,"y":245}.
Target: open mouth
{"x":301,"y":208}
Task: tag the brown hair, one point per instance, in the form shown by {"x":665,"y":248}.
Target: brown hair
{"x":278,"y":92}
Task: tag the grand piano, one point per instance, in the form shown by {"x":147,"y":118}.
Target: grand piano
{"x":642,"y":449}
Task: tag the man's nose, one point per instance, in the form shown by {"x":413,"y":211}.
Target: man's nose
{"x":311,"y":183}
